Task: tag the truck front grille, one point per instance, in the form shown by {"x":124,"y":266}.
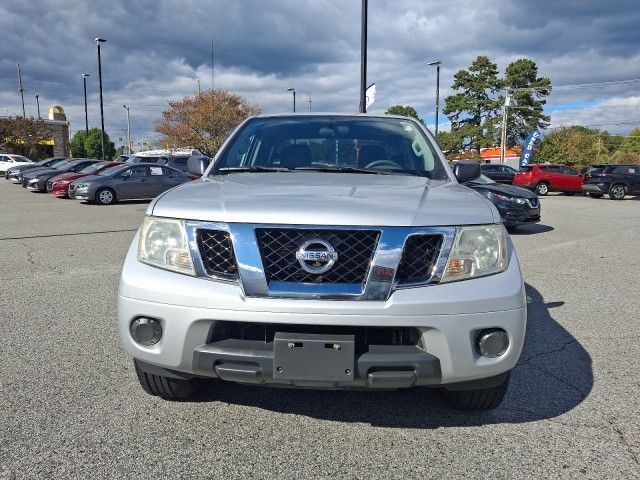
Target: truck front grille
{"x":217,"y":253}
{"x":355,"y":248}
{"x":419,"y":259}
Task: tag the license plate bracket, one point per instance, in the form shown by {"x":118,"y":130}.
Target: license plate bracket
{"x":313,"y":357}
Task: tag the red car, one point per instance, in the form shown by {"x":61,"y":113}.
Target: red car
{"x":59,"y":185}
{"x":549,"y":177}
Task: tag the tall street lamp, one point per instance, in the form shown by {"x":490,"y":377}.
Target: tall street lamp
{"x":437,"y":63}
{"x":292,"y":90}
{"x":38,"y":105}
{"x":98,"y":42}
{"x":86,"y":115}
{"x":128,"y":131}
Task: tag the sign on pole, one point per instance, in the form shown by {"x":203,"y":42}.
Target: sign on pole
{"x":370,"y":95}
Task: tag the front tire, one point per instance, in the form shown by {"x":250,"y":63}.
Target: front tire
{"x":165,"y":387}
{"x":617,"y":192}
{"x":542,"y":189}
{"x":478,"y":399}
{"x":105,"y":196}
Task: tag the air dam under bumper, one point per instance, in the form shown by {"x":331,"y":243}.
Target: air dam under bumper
{"x":448,"y":318}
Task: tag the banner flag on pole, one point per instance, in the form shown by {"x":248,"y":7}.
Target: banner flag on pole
{"x":527,"y":148}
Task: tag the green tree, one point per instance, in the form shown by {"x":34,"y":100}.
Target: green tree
{"x":77,"y":144}
{"x":631,"y":143}
{"x":575,"y":145}
{"x":529,"y":92}
{"x":474,"y":109}
{"x":405,"y":111}
{"x":93,"y":145}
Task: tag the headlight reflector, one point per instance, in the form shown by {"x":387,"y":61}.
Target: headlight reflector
{"x":477,"y":251}
{"x":163,"y":243}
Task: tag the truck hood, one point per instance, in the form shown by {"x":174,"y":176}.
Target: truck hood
{"x":315,"y":198}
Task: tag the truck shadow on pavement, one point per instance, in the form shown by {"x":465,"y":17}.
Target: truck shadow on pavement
{"x":553,"y":376}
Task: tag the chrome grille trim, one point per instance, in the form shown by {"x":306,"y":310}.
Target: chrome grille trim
{"x":380,"y":280}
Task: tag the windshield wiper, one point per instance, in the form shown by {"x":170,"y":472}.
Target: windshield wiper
{"x":346,"y":170}
{"x":251,"y":169}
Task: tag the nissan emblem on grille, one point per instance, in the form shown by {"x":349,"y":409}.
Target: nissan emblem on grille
{"x":314,"y":260}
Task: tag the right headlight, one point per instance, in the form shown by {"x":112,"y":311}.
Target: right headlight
{"x":477,"y":251}
{"x":163,"y":243}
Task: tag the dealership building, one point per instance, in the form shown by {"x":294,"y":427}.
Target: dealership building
{"x":56,"y":141}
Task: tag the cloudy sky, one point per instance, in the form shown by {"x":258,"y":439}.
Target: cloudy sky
{"x":157,"y":49}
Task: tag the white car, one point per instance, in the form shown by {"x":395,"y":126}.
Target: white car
{"x":8,"y":160}
{"x":325,"y":251}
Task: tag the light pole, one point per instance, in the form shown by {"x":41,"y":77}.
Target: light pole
{"x":98,"y":42}
{"x":38,"y":105}
{"x":292,"y":90}
{"x":363,"y":57}
{"x":128,"y":131}
{"x":86,"y":115}
{"x":437,"y":63}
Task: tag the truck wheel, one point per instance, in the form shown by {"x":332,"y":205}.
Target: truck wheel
{"x":165,"y":387}
{"x":479,"y":399}
{"x":595,"y":195}
{"x":105,"y":196}
{"x":542,"y":189}
{"x":617,"y":192}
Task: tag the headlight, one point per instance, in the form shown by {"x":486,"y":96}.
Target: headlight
{"x":506,"y":198}
{"x":477,"y":251}
{"x":163,"y":243}
{"x":33,"y":180}
{"x":82,"y":185}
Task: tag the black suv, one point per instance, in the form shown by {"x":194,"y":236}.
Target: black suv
{"x":498,"y":173}
{"x":613,"y":180}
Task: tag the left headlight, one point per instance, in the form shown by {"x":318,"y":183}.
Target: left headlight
{"x":477,"y":251}
{"x":163,"y":243}
{"x":507,"y":198}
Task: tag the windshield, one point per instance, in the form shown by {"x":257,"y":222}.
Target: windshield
{"x":93,"y":168}
{"x":483,"y":180}
{"x":112,"y":170}
{"x":332,"y":143}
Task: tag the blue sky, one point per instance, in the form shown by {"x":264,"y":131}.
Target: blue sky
{"x":157,"y":49}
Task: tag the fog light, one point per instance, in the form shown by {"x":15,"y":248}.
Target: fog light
{"x":492,"y":343}
{"x":146,"y":331}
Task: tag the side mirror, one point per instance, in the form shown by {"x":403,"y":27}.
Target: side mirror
{"x":466,"y":170}
{"x":197,"y":165}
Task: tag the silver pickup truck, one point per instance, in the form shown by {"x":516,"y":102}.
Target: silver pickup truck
{"x":330,"y":252}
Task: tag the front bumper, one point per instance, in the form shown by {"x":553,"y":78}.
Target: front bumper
{"x":448,"y":317}
{"x":599,"y":188}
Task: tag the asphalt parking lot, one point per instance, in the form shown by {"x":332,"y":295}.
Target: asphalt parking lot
{"x":70,"y":405}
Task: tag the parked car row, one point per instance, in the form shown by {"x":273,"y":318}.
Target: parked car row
{"x":616,"y":180}
{"x":96,"y":181}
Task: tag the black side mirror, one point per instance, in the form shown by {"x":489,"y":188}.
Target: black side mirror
{"x":197,"y":165}
{"x":466,"y":170}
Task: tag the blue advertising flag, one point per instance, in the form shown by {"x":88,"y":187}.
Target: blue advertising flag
{"x":527,"y":148}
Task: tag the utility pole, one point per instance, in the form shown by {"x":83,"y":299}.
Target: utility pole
{"x":38,"y":105}
{"x":212,"y":85}
{"x":199,"y":91}
{"x":21,"y":90}
{"x":98,"y":42}
{"x":309,"y":102}
{"x":86,"y":115}
{"x":503,"y":140}
{"x":128,"y":131}
{"x":363,"y":57}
